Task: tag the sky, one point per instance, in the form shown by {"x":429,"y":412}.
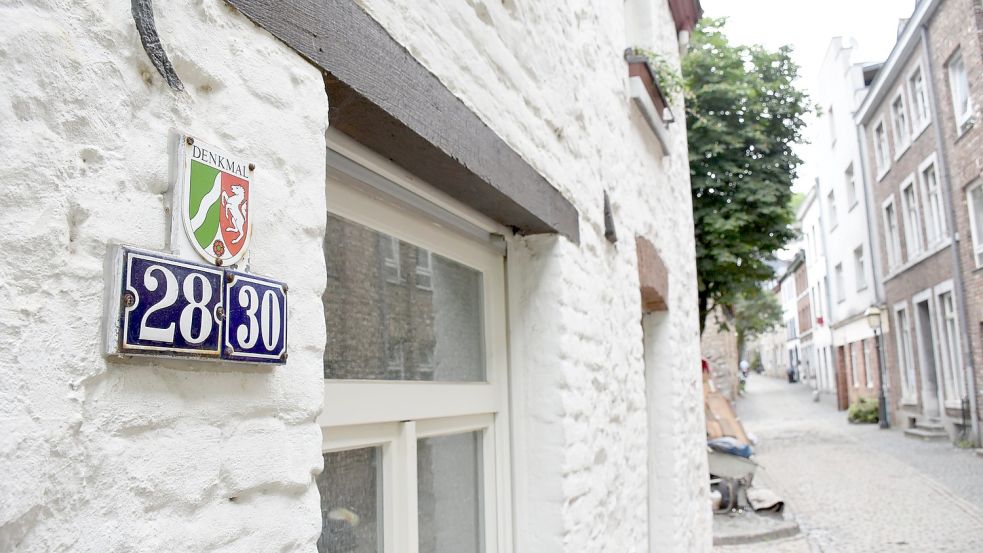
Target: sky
{"x":807,"y":26}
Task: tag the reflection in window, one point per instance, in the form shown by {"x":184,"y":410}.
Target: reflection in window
{"x":449,"y":494}
{"x":395,"y":311}
{"x":351,"y":504}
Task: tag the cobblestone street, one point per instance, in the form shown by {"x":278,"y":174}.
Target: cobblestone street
{"x":856,"y":487}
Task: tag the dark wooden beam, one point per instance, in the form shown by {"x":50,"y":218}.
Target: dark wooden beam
{"x":381,"y":96}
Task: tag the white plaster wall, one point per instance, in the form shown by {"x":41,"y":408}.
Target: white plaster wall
{"x":105,"y":457}
{"x":551,"y":80}
{"x":809,"y":220}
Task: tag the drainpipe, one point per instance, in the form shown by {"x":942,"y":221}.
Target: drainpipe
{"x":874,"y":248}
{"x":943,"y":168}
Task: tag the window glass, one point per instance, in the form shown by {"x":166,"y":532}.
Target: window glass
{"x":959,"y":85}
{"x":900,"y":119}
{"x":934,"y":218}
{"x":398,"y":312}
{"x":976,"y":211}
{"x":449,"y":494}
{"x":851,"y":187}
{"x":351,"y":506}
{"x":881,"y":147}
{"x":858,"y":264}
{"x":919,"y":97}
{"x":912,"y":221}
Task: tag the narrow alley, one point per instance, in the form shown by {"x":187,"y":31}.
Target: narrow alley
{"x":857,"y":487}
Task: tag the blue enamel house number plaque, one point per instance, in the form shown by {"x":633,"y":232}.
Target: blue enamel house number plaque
{"x":168,"y":307}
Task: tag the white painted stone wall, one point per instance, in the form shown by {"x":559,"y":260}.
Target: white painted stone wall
{"x":551,"y":80}
{"x":129,"y":457}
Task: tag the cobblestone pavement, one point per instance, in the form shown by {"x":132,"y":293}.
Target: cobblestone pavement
{"x":857,"y":488}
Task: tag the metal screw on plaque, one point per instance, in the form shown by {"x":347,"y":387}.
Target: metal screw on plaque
{"x":283,"y":357}
{"x":229,"y":351}
{"x":189,"y":140}
{"x":220,"y":313}
{"x":218,"y":261}
{"x":129,"y":299}
{"x":285,"y":288}
{"x":252,"y":166}
{"x":228,"y":278}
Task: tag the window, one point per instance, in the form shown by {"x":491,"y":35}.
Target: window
{"x":424,"y":269}
{"x":851,"y":187}
{"x":832,"y":125}
{"x":415,"y":427}
{"x":975,"y":194}
{"x":881,"y":151}
{"x":891,"y":237}
{"x":840,"y":287}
{"x":911,"y":219}
{"x":951,"y":359}
{"x":868,"y":364}
{"x":899,"y":123}
{"x":935,"y":226}
{"x":919,"y":100}
{"x":905,"y":352}
{"x":858,"y":264}
{"x":831,"y":206}
{"x":959,"y":87}
{"x":390,"y":257}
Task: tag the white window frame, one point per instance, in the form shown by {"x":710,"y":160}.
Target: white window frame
{"x":868,"y":344}
{"x":977,"y":235}
{"x":395,"y":414}
{"x":950,"y":352}
{"x":852,"y":347}
{"x":892,"y":242}
{"x":831,"y":209}
{"x":850,"y":179}
{"x":911,"y":218}
{"x":906,"y":359}
{"x":860,"y":268}
{"x":934,"y":235}
{"x":390,"y":258}
{"x":902,"y":134}
{"x":882,"y":152}
{"x":840,"y":283}
{"x":425,"y":270}
{"x":955,"y":81}
{"x":921,"y":110}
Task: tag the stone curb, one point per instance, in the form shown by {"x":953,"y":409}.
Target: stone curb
{"x":786,"y":529}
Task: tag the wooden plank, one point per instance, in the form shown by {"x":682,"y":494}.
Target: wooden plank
{"x":381,"y":96}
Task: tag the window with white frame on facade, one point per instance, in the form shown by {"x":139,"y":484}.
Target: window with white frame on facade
{"x":415,"y":431}
{"x":860,"y":273}
{"x":868,"y":363}
{"x":891,"y":235}
{"x":920,"y":114}
{"x":905,"y":351}
{"x":911,"y":218}
{"x":840,"y":286}
{"x":832,"y":125}
{"x":855,"y":363}
{"x":962,"y":105}
{"x":831,"y":207}
{"x":881,"y":151}
{"x":975,"y":197}
{"x":928,"y":178}
{"x":899,"y":123}
{"x":950,"y":354}
{"x":851,"y":187}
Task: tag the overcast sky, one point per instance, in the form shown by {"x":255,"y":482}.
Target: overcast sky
{"x":808,"y":26}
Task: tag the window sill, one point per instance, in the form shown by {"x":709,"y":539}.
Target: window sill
{"x":853,"y":205}
{"x":898,"y":152}
{"x":883,"y":173}
{"x":963,"y":127}
{"x":920,"y":130}
{"x":927,"y":253}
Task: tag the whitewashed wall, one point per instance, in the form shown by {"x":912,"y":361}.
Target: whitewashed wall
{"x":551,"y":80}
{"x":110,"y":457}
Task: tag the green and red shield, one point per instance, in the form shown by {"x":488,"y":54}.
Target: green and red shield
{"x":216,"y":203}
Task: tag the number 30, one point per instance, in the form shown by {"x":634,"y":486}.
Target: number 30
{"x":268,"y":325}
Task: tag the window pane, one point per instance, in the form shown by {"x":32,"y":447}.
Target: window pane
{"x":394,"y":311}
{"x":351,"y":502}
{"x":449,"y":494}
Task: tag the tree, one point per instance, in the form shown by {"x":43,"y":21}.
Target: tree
{"x":743,"y":116}
{"x":757,"y":311}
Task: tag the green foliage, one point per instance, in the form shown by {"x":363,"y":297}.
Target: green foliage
{"x":756,"y":311}
{"x":743,"y":116}
{"x":667,"y":77}
{"x":864,"y":410}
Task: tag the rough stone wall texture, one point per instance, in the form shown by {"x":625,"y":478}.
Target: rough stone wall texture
{"x":552,"y":83}
{"x":959,"y":24}
{"x":719,"y":347}
{"x":104,"y":457}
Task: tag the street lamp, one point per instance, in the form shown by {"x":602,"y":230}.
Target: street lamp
{"x":873,"y":315}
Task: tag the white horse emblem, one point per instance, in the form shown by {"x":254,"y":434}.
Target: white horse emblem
{"x":235,"y":208}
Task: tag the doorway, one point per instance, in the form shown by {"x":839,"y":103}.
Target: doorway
{"x":926,"y":359}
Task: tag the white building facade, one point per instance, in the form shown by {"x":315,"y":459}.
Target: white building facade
{"x":844,"y":226}
{"x":483,"y":356}
{"x":818,"y":355}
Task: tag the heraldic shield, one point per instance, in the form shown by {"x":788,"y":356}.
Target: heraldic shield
{"x":216,"y":204}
